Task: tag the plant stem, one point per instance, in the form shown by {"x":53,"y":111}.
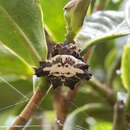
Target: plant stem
{"x":28,"y":111}
{"x":71,"y":94}
{"x":88,"y":54}
{"x":60,"y":108}
{"x":119,"y":122}
{"x":62,"y":104}
{"x":103,"y":90}
{"x":128,"y":106}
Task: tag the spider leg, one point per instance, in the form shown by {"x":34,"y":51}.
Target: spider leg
{"x":71,"y":82}
{"x":39,"y":72}
{"x":82,"y":66}
{"x":56,"y":83}
{"x":42,"y":63}
{"x":86,"y":75}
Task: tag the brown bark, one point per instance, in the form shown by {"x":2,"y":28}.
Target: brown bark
{"x":62,"y":104}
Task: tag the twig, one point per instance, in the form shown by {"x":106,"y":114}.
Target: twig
{"x":88,"y":54}
{"x":59,"y":104}
{"x":71,"y":94}
{"x":62,"y":104}
{"x":103,"y":90}
{"x":128,"y":107}
{"x":28,"y":111}
{"x":119,"y":122}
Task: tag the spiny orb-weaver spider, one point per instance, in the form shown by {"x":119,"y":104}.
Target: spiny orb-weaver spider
{"x":65,"y":66}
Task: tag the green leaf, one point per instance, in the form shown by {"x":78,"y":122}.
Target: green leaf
{"x":11,"y":63}
{"x":54,"y":17}
{"x":97,"y":60}
{"x":21,"y":29}
{"x":100,"y":26}
{"x":78,"y":118}
{"x":101,"y":125}
{"x":11,"y":89}
{"x":126,"y":66}
{"x":86,"y":95}
{"x":75,"y":12}
{"x":50,"y":116}
{"x":114,"y":4}
{"x":110,"y":58}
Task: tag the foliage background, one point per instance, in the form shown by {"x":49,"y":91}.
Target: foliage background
{"x":23,"y":44}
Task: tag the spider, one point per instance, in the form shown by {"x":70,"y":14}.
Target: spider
{"x":65,"y":66}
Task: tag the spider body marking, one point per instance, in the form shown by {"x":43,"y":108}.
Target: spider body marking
{"x":64,"y":67}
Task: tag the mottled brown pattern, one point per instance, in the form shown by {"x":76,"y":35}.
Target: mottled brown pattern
{"x":66,"y":66}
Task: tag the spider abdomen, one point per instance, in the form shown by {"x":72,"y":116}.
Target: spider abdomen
{"x":64,"y":69}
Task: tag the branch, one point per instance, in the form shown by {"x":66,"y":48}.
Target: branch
{"x":128,"y":106}
{"x":103,"y":90}
{"x":119,"y":122}
{"x":29,"y":110}
{"x":62,"y":104}
{"x":71,"y":94}
{"x":60,"y":108}
{"x":88,"y":54}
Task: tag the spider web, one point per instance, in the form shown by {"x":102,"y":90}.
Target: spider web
{"x":16,"y":98}
{"x":8,"y":91}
